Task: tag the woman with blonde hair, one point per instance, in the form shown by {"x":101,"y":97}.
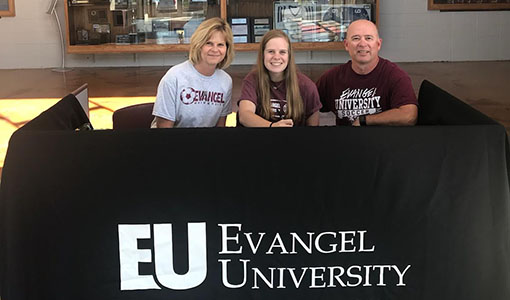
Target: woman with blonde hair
{"x":197,"y":92}
{"x":275,"y":94}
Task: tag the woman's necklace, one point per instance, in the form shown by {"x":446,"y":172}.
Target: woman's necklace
{"x":276,"y":85}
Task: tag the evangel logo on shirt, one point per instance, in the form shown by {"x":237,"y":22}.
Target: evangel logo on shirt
{"x":356,"y":102}
{"x":279,"y":112}
{"x":189,"y":96}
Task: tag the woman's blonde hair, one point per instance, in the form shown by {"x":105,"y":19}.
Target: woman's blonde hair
{"x":293,"y":95}
{"x":203,"y":33}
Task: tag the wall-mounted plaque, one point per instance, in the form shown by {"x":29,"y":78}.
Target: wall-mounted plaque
{"x":460,"y":5}
{"x":121,"y":4}
{"x":241,"y":39}
{"x":239,"y":26}
{"x":262,"y":21}
{"x":160,"y":25}
{"x":240,"y":29}
{"x":122,"y":39}
{"x":259,"y":27}
{"x":7,"y":8}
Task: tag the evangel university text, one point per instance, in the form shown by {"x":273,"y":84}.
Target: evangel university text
{"x":305,"y":276}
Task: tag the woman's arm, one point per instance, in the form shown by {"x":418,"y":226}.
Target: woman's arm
{"x":313,"y":119}
{"x":248,"y":118}
{"x":221,"y":122}
{"x":164,"y":123}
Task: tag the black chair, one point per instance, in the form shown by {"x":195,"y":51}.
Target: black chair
{"x":133,"y":116}
{"x":82,"y":94}
{"x":67,"y":114}
{"x":438,"y":107}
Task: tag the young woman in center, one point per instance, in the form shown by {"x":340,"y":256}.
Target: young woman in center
{"x":275,"y":94}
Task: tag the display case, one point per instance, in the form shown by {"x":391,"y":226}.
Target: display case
{"x":131,"y":26}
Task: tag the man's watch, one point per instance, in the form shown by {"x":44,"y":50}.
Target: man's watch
{"x":362,"y":120}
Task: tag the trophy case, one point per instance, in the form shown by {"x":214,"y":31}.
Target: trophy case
{"x":131,"y":26}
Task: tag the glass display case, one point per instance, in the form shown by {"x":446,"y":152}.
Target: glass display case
{"x":104,"y":26}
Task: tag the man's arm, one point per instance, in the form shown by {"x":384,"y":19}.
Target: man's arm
{"x":164,"y":123}
{"x":405,"y":115}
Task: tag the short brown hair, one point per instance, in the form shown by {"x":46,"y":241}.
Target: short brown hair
{"x":204,"y":32}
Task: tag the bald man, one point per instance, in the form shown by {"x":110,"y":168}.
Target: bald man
{"x":367,"y":90}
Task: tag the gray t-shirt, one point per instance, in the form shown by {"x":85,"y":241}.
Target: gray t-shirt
{"x":191,"y":99}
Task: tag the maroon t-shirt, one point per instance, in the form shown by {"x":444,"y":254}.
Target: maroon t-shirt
{"x":350,"y":95}
{"x":307,"y":88}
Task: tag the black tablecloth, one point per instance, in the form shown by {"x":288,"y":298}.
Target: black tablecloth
{"x":430,"y":201}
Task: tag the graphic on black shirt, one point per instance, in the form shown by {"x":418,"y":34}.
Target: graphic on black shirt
{"x":356,"y":102}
